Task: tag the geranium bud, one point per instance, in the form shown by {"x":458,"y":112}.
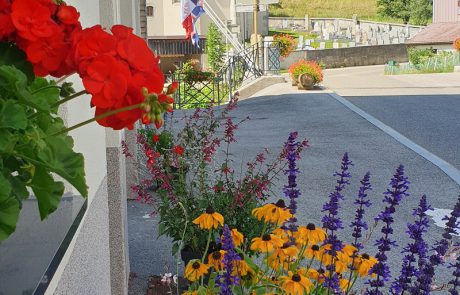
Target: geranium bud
{"x":158,"y":123}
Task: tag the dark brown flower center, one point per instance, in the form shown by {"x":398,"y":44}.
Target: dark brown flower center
{"x":196,"y":265}
{"x":210,"y":210}
{"x":216,"y":255}
{"x":296,"y":278}
{"x":311,"y":226}
{"x":280,"y":204}
{"x":321,"y":271}
{"x":266,"y":238}
{"x":365,"y":256}
{"x":315,"y":248}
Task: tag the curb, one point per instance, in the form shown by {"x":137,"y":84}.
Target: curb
{"x":447,"y":168}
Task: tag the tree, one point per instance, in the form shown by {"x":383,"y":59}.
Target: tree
{"x":417,"y":11}
{"x":421,"y":11}
{"x":215,"y":48}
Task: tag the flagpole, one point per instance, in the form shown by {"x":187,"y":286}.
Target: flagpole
{"x":256,"y":36}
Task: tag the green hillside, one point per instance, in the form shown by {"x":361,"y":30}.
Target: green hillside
{"x":365,"y":9}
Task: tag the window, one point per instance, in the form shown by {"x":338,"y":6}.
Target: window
{"x":150,"y":11}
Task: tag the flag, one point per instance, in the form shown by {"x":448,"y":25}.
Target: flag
{"x":191,"y":11}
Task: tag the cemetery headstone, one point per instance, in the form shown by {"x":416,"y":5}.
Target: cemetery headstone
{"x":322,"y":45}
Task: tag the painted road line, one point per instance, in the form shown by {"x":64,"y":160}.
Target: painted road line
{"x":447,"y":168}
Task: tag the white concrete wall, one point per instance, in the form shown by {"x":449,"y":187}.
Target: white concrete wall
{"x":96,"y":261}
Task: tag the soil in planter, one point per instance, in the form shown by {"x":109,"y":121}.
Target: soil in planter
{"x":157,"y":287}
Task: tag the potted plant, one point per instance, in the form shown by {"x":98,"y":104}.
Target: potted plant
{"x":204,"y":181}
{"x":285,"y":43}
{"x":306,"y":74}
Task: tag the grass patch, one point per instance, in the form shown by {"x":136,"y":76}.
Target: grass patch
{"x":365,"y":9}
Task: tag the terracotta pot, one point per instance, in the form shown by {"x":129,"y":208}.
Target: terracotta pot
{"x":294,"y":81}
{"x":306,"y":82}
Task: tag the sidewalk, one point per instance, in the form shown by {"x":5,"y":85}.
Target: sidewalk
{"x":370,"y":81}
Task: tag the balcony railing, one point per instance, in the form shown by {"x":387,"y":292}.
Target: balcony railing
{"x":176,"y":46}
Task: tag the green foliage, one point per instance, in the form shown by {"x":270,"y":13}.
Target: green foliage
{"x":421,"y":12}
{"x":215,"y":48}
{"x":29,"y":152}
{"x":419,"y":56}
{"x":444,"y":62}
{"x":418,"y":12}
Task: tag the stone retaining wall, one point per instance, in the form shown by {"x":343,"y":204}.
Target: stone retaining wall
{"x":350,"y":57}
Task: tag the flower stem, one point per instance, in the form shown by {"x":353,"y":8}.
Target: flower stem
{"x":46,"y":87}
{"x":207,"y":246}
{"x":100,"y":117}
{"x":70,"y":97}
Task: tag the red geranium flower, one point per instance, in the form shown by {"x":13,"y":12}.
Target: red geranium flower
{"x":134,"y":49}
{"x":178,"y":150}
{"x":32,"y":19}
{"x":68,"y":14}
{"x":47,"y":54}
{"x":7,"y":26}
{"x":107,"y":80}
{"x":90,"y":43}
{"x":156,"y":138}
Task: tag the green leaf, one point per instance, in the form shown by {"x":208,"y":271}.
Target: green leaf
{"x":13,"y":56}
{"x":8,"y":141}
{"x":62,"y":160}
{"x":13,"y":116}
{"x":9,"y":209}
{"x":47,"y":190}
{"x":19,"y":188}
{"x":45,"y":93}
{"x":161,"y":229}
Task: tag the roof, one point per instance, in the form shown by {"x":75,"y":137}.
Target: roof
{"x":438,"y":33}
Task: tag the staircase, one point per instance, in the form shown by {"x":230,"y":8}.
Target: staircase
{"x":222,"y":26}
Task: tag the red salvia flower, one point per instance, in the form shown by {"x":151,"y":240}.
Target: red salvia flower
{"x":178,"y":150}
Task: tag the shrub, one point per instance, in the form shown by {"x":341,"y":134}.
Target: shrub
{"x":419,"y":56}
{"x":286,"y":43}
{"x":311,"y":68}
{"x":215,"y":48}
{"x":192,"y":72}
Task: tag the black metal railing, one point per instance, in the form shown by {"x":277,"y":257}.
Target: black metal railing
{"x":238,"y":70}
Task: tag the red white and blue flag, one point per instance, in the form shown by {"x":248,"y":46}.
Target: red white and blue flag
{"x":191,"y":11}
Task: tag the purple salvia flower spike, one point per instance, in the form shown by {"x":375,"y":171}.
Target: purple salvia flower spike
{"x":332,"y":223}
{"x":417,"y":248}
{"x":290,"y":190}
{"x":392,"y":197}
{"x":226,"y":280}
{"x":362,"y":202}
{"x":427,"y":271}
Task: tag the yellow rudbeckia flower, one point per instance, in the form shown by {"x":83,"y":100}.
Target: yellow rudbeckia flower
{"x":209,"y":219}
{"x":215,"y":260}
{"x":310,"y":234}
{"x":237,"y":237}
{"x":282,"y":257}
{"x":195,"y":270}
{"x":364,"y":263}
{"x":267,"y":243}
{"x":296,"y":284}
{"x":273,"y":213}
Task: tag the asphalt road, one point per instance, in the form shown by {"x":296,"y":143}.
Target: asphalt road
{"x":332,"y":130}
{"x":431,"y":121}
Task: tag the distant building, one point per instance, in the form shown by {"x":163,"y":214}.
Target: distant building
{"x":445,"y":28}
{"x":446,"y":11}
{"x":167,"y":37}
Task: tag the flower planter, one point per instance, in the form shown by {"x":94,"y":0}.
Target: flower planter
{"x":294,"y":81}
{"x":306,"y":82}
